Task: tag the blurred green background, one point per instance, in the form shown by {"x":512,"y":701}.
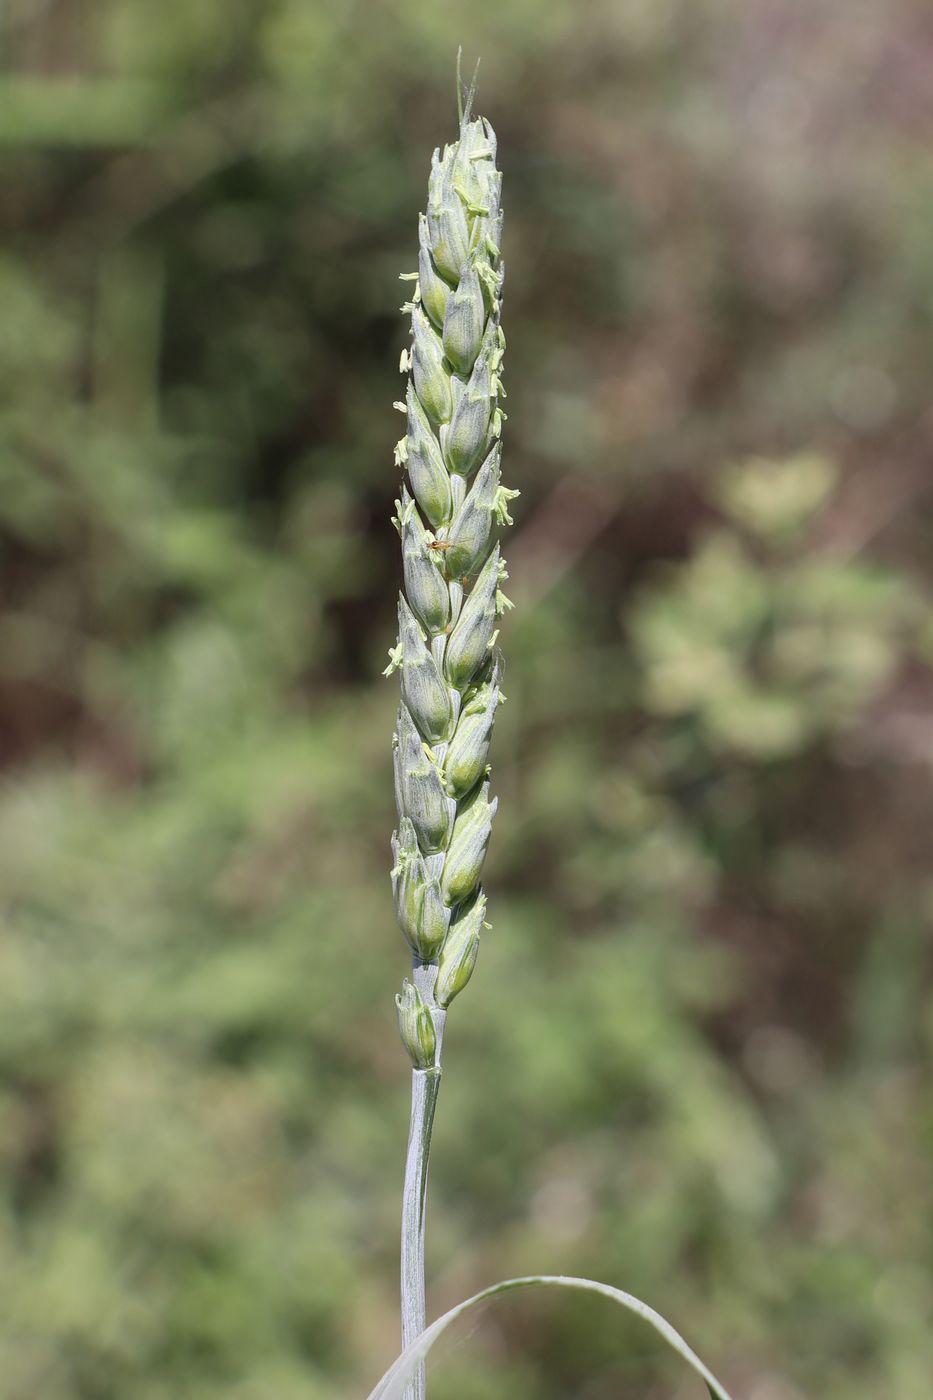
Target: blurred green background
{"x":694,"y":1060}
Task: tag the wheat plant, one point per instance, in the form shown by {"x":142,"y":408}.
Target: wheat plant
{"x":447,"y":615}
{"x":448,"y":518}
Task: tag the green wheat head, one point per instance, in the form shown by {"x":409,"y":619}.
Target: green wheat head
{"x":447,"y":518}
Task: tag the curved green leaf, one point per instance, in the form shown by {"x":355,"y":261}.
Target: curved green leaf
{"x":393,"y":1383}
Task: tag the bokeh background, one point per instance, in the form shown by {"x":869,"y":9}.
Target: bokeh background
{"x":694,"y":1060}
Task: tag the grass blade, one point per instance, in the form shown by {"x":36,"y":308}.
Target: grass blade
{"x":393,"y":1383}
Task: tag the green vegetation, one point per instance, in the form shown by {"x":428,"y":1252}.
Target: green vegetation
{"x":713,"y":889}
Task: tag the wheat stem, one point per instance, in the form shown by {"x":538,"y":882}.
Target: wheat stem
{"x":425,"y":1084}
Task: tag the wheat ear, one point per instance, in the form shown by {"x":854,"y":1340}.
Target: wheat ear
{"x":446,"y":650}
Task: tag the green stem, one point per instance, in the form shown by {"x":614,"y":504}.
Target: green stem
{"x":425,"y":1084}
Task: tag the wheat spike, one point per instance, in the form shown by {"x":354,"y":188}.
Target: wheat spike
{"x":448,"y":516}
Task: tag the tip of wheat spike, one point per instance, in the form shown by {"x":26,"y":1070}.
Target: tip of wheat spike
{"x":465,"y":95}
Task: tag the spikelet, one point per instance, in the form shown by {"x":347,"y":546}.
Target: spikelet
{"x":448,"y":518}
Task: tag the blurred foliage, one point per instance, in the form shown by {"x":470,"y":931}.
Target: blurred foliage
{"x":695,"y":1062}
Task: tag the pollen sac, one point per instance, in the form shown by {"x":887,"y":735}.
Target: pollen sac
{"x":469,"y":532}
{"x":459,"y":956}
{"x":425,"y":587}
{"x":468,"y":432}
{"x":434,"y":290}
{"x":464,"y":320}
{"x":423,"y":690}
{"x":416,"y":1026}
{"x":467,"y":851}
{"x":432,"y":384}
{"x":421,"y":788}
{"x":429,"y":479}
{"x":469,"y":643}
{"x":422,"y":914}
{"x":468,"y":752}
